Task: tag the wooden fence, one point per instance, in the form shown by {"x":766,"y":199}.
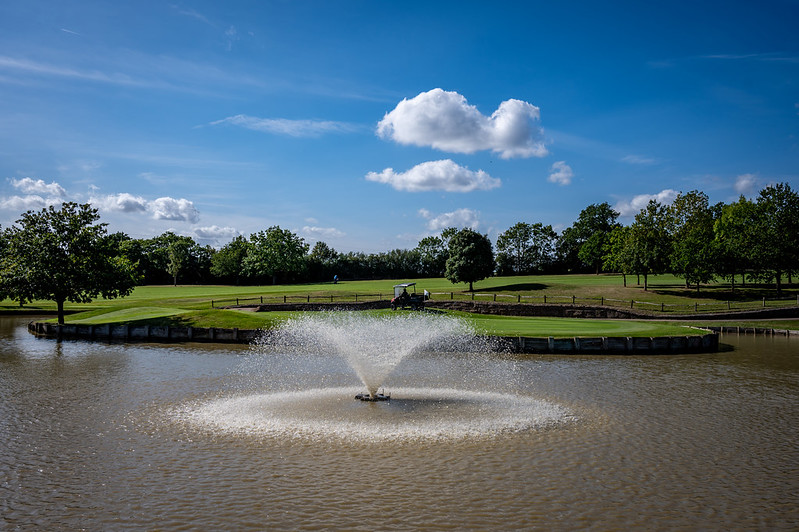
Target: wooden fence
{"x":665,"y":308}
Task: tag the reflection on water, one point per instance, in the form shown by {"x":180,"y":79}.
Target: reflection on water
{"x":89,"y":439}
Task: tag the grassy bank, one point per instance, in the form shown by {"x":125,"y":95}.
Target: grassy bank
{"x":191,"y":305}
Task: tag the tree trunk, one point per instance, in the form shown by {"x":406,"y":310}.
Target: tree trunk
{"x":624,"y":276}
{"x":60,"y":306}
{"x":638,"y":275}
{"x":778,"y":276}
{"x":646,"y":282}
{"x":733,"y":283}
{"x":470,"y":287}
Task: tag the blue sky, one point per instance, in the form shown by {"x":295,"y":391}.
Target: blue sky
{"x":371,"y":124}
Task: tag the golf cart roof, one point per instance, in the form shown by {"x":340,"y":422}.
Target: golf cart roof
{"x":404,"y":285}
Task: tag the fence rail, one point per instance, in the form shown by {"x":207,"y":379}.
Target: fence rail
{"x":664,"y":308}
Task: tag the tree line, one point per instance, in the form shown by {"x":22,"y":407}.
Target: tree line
{"x":65,"y":254}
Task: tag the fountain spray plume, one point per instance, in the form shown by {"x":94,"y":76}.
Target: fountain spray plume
{"x":372,"y":345}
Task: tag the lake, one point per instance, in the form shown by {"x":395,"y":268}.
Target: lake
{"x":113,"y":436}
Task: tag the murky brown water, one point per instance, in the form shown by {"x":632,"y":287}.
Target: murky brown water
{"x":100,"y":436}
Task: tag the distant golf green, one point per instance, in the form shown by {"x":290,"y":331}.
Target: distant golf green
{"x":192,"y":305}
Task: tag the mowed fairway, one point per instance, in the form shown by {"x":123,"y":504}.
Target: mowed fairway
{"x":568,"y":327}
{"x":194,"y":305}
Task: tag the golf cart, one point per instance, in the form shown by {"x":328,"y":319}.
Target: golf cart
{"x":404,"y":299}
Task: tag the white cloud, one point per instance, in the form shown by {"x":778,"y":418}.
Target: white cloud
{"x":459,"y":218}
{"x":27,"y":203}
{"x":444,"y":120}
{"x":215,"y":235}
{"x":165,"y":208}
{"x":634,"y":206}
{"x":745,"y":184}
{"x":122,"y":202}
{"x":436,"y":175}
{"x":26,"y":185}
{"x":174,"y":209}
{"x":322,"y":232}
{"x":284,"y":126}
{"x":561,"y":173}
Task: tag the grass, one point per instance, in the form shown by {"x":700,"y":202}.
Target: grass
{"x":191,"y":305}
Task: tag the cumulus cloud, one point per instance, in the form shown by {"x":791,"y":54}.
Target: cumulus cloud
{"x":122,"y":202}
{"x":446,"y":121}
{"x":35,"y":195}
{"x":745,"y":184}
{"x":322,"y":232}
{"x":26,"y":185}
{"x":458,"y":218}
{"x":215,"y":235}
{"x":165,"y":208}
{"x":436,"y":175}
{"x":174,"y":209}
{"x":560,"y":173}
{"x":283,"y":126}
{"x":32,"y":202}
{"x":634,"y":206}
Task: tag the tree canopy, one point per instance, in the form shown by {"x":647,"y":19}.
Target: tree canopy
{"x":471,"y":257}
{"x":63,"y":255}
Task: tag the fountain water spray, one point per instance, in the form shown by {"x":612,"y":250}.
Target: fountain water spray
{"x":444,"y":383}
{"x":372,"y":345}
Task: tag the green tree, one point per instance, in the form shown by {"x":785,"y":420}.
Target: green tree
{"x":650,"y":240}
{"x":63,"y":255}
{"x":735,"y":236}
{"x":593,"y":228}
{"x":471,"y":258}
{"x":525,"y":248}
{"x":693,"y":252}
{"x":227,"y":263}
{"x":620,"y":256}
{"x":777,"y":246}
{"x":433,"y":255}
{"x":275,"y":252}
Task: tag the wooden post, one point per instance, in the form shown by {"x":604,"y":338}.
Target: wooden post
{"x":728,"y":305}
{"x":495,"y":297}
{"x":573,"y":299}
{"x":764,"y":302}
{"x":696,"y":306}
{"x":602,"y":301}
{"x":452,"y":296}
{"x":519,"y":298}
{"x":545,"y":298}
{"x":631,"y":303}
{"x":662,"y":305}
{"x":262,"y":300}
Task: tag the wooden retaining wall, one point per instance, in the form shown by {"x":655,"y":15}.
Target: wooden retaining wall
{"x":143,"y":333}
{"x":630,"y":345}
{"x":518,"y":344}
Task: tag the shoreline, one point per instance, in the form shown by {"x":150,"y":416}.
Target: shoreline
{"x":603,"y":345}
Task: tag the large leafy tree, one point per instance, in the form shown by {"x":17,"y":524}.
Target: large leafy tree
{"x":650,"y":240}
{"x":227,"y":263}
{"x":620,"y":255}
{"x":64,"y":255}
{"x":471,"y":258}
{"x":693,"y":252}
{"x":776,"y":249}
{"x":526,"y":248}
{"x":588,"y":238}
{"x":735,"y":237}
{"x":433,"y":255}
{"x":275,"y":252}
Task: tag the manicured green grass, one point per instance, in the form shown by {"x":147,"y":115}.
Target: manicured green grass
{"x":192,"y":305}
{"x":568,"y":327}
